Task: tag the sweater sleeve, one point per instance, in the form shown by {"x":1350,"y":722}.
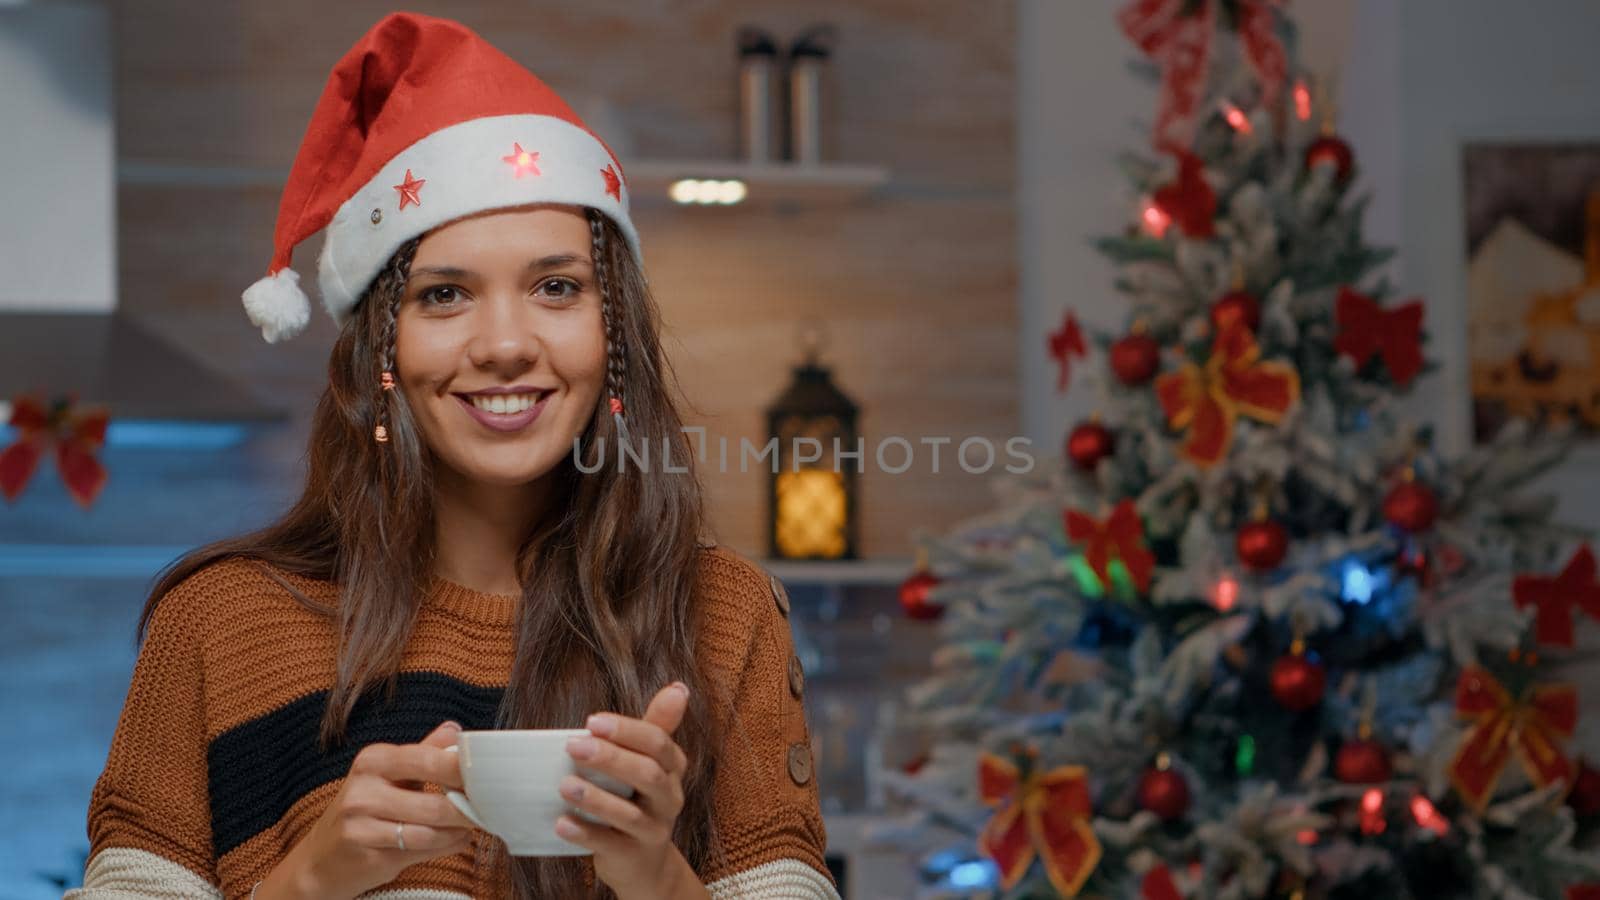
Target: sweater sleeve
{"x":149,"y":819}
{"x":769,"y":820}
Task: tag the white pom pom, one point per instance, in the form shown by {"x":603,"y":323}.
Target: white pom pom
{"x":277,"y":306}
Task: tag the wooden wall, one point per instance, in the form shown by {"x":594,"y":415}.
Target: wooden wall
{"x":917,"y":283}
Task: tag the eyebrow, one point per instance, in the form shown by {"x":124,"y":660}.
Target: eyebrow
{"x":546,"y":262}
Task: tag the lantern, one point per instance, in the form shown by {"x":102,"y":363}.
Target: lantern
{"x":812,"y":491}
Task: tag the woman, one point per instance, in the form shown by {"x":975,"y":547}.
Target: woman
{"x":449,"y":565}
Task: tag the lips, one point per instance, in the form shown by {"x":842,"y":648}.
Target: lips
{"x":505,"y":410}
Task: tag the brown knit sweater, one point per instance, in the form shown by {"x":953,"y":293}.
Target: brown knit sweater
{"x":214,"y":771}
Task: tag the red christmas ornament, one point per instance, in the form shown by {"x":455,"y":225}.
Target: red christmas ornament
{"x":1297,"y":682}
{"x":1333,"y":150}
{"x":914,"y":596}
{"x":1088,"y":444}
{"x":1362,"y":761}
{"x":1135,"y":359}
{"x":1411,"y":507}
{"x":1585,"y":796}
{"x":1236,"y":306}
{"x":1262,"y":545}
{"x":1164,"y":792}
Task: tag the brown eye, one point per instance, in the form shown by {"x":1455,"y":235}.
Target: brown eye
{"x":568,"y":288}
{"x":441,"y":295}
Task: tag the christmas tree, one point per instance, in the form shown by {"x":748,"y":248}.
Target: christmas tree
{"x":1254,"y":636}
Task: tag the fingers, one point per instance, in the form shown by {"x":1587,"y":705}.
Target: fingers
{"x":614,"y":811}
{"x":601,"y":839}
{"x":659,"y":791}
{"x":425,"y":840}
{"x":427,"y":761}
{"x":667,"y":706}
{"x":652,"y":735}
{"x":381,"y":800}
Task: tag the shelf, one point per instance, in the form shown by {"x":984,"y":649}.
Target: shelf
{"x":766,"y":183}
{"x":843,"y":572}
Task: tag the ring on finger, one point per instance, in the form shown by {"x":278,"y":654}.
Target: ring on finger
{"x":400,"y":834}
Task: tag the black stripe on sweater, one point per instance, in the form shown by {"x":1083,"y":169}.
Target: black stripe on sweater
{"x":260,"y":768}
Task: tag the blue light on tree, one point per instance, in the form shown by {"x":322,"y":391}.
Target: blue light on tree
{"x":1358,"y":584}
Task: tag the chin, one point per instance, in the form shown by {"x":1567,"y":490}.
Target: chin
{"x":503,"y":467}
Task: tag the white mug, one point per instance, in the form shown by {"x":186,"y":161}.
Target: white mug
{"x":513,"y":779}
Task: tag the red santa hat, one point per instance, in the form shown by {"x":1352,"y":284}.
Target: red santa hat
{"x":422,"y":122}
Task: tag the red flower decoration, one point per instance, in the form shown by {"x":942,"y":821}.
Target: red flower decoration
{"x":1120,"y":535}
{"x":1189,"y":201}
{"x":74,"y":434}
{"x":1367,"y":329}
{"x":1533,"y":727}
{"x":1043,"y":815}
{"x":1556,"y":598}
{"x":1234,"y":382}
{"x":1065,"y":343}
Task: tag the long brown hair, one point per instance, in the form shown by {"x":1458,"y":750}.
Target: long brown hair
{"x":608,"y":576}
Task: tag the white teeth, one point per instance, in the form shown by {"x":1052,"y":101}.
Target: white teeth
{"x":505,"y":404}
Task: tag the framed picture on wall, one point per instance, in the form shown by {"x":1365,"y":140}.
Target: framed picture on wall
{"x":1533,"y":282}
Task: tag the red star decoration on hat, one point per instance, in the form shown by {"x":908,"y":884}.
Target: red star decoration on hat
{"x":524,"y":161}
{"x":408,"y":190}
{"x":613,"y":183}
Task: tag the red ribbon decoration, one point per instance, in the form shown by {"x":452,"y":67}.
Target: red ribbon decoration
{"x":1532,"y":727}
{"x":75,"y":435}
{"x":1556,"y":598}
{"x":1234,"y":382}
{"x":1367,"y":329}
{"x":1158,"y":885}
{"x":1120,"y":535}
{"x":1046,"y":816}
{"x":1179,"y":39}
{"x":1065,"y":343}
{"x":1190,"y":202}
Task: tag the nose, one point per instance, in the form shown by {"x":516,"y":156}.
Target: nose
{"x":505,"y":337}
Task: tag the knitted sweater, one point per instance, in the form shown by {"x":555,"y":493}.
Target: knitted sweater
{"x":214,"y":772}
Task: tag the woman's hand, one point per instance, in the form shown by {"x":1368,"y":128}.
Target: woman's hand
{"x":633,"y":851}
{"x":355,"y":845}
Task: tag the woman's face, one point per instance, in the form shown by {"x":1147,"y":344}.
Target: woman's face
{"x":499,"y":344}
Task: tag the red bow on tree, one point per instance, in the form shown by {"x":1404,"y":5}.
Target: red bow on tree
{"x":1234,"y":382}
{"x":1045,"y":815}
{"x":75,"y":435}
{"x":1158,"y":885}
{"x":1189,"y":201}
{"x":1556,"y":598}
{"x":1120,"y":535}
{"x":1066,"y":343}
{"x":1532,"y":727}
{"x":1367,"y":329}
{"x":1177,"y":34}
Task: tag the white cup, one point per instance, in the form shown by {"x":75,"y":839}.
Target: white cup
{"x":513,"y":780}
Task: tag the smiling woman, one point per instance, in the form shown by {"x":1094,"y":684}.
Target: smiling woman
{"x":448,"y":547}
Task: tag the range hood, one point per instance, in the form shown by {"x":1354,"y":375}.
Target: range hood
{"x":107,"y":358}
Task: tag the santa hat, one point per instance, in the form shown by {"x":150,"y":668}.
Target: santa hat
{"x":422,"y":122}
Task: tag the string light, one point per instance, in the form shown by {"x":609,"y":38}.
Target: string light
{"x":1156,"y":220}
{"x":1302,"y":101}
{"x":1227,"y":594}
{"x":1372,"y":812}
{"x":1237,"y":118}
{"x":1428,"y":817}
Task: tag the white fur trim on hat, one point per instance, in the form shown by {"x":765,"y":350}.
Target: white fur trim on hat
{"x":464,"y":171}
{"x":278,"y":306}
